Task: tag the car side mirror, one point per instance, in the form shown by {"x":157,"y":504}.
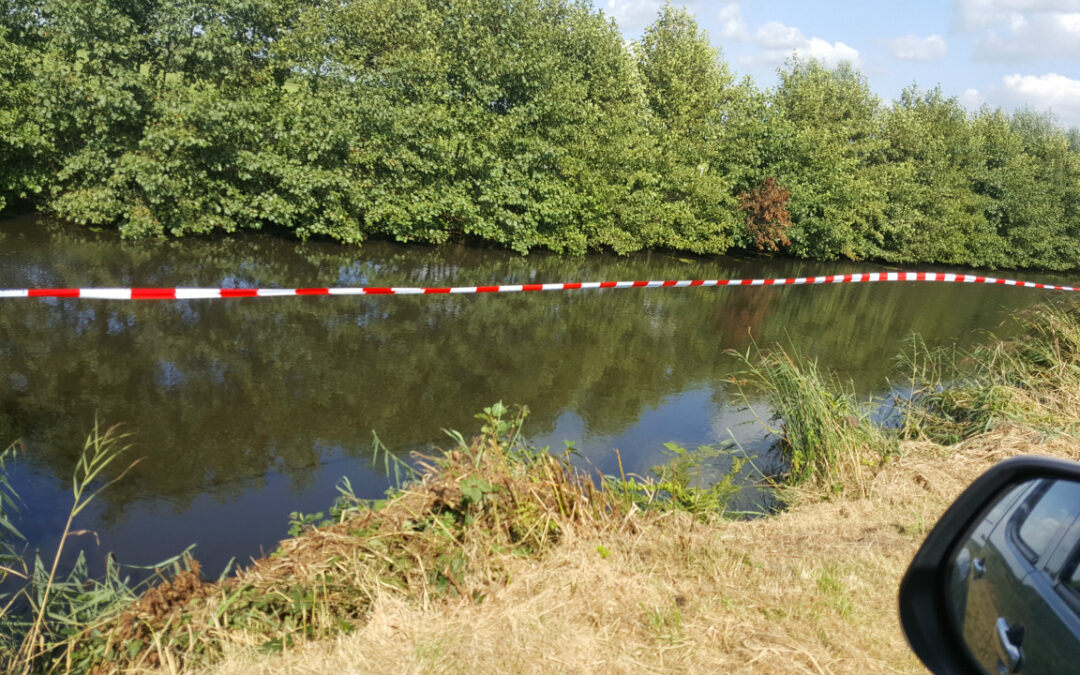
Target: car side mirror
{"x":995,"y":587}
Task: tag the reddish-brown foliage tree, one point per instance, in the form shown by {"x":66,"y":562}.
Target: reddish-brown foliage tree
{"x":767,"y":215}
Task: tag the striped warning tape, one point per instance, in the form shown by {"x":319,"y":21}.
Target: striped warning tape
{"x":202,"y":293}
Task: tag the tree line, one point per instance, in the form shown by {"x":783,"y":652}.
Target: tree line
{"x":528,"y":124}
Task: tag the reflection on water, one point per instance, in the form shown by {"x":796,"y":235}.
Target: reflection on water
{"x":247,"y":409}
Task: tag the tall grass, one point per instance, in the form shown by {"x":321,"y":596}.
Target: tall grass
{"x":11,"y":562}
{"x":826,"y":437}
{"x":1033,"y":379}
{"x":41,"y":616}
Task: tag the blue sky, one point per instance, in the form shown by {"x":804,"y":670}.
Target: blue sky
{"x":1007,"y":53}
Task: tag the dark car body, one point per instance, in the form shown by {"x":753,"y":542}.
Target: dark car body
{"x":1015,"y":583}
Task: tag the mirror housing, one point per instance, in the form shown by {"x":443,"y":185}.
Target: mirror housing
{"x":924,"y":597}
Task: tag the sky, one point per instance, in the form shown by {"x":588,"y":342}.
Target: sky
{"x":1001,"y":53}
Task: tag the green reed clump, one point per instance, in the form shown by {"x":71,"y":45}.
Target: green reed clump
{"x":10,"y":558}
{"x":826,"y":437}
{"x":1033,"y":379}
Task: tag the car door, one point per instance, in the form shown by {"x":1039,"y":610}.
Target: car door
{"x":965,"y":605}
{"x":1017,"y":617}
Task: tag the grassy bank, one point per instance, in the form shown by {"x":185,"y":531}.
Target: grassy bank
{"x":497,"y":557}
{"x":812,"y":590}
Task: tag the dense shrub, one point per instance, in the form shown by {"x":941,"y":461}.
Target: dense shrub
{"x":528,"y":125}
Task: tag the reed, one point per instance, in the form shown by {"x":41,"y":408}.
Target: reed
{"x":825,"y":434}
{"x":38,"y":619}
{"x":1033,"y":379}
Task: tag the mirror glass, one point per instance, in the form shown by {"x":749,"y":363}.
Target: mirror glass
{"x":1014,"y":583}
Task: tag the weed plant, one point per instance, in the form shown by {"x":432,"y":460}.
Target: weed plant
{"x":680,"y":484}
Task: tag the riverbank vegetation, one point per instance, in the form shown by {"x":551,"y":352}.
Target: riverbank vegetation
{"x":529,"y":126}
{"x":491,"y":552}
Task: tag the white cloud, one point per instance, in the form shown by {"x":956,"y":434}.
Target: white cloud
{"x":974,"y":15}
{"x":831,"y":53}
{"x":972,"y":99}
{"x":1013,"y":31}
{"x":1051,"y":91}
{"x":1045,"y":35}
{"x":775,"y":35}
{"x":633,"y":16}
{"x":732,"y":26}
{"x":780,"y":41}
{"x":914,"y":48}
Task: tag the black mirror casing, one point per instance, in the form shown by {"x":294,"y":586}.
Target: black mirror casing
{"x":923,"y":596}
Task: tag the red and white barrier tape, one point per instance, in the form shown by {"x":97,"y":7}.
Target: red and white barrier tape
{"x":203,"y":293}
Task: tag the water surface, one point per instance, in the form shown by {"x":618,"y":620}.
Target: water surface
{"x":244,"y":410}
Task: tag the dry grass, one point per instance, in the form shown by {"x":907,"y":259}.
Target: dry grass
{"x":452,"y":534}
{"x":811,"y":590}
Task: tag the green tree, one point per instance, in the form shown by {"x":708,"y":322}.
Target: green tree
{"x":932,"y":212}
{"x":692,"y":99}
{"x":1016,"y":207}
{"x":89,"y":83}
{"x":1041,"y":203}
{"x":23,"y":145}
{"x":201,"y":89}
{"x":521,"y":127}
{"x":821,"y":137}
